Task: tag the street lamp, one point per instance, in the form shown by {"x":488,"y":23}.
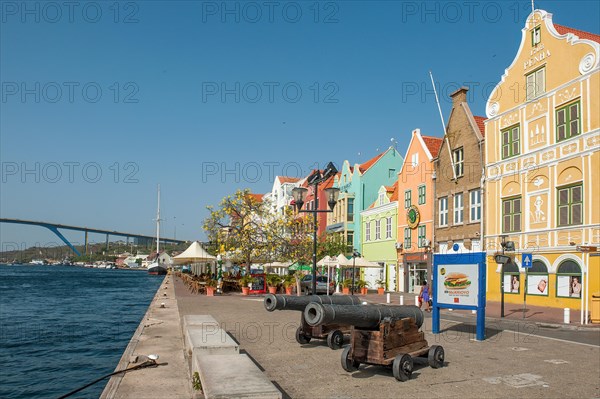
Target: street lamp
{"x":355,"y":254}
{"x":332,"y":193}
{"x":219,"y":273}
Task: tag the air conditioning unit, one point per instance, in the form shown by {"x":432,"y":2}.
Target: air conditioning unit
{"x":425,"y":243}
{"x":399,"y":245}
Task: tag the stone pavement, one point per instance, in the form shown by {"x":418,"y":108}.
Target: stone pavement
{"x":507,"y":364}
{"x":159,"y":333}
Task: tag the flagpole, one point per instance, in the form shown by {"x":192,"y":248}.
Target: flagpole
{"x":444,"y":128}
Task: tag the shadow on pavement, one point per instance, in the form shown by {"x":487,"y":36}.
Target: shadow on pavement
{"x":471,"y":329}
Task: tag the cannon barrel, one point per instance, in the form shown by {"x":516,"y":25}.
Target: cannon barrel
{"x":290,"y":302}
{"x":368,"y":316}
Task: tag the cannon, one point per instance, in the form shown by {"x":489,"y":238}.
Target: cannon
{"x":332,"y":332}
{"x":380,"y":335}
{"x":289,"y":302}
{"x":364,"y":316}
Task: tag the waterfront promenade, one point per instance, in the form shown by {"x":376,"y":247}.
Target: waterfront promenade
{"x":507,"y":364}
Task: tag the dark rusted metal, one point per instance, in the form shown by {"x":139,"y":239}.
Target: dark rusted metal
{"x":367,"y":316}
{"x":290,"y":302}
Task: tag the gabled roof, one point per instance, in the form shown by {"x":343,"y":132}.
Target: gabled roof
{"x":563,"y":30}
{"x":287,"y":179}
{"x":365,"y":166}
{"x":480,"y":120}
{"x":433,"y":144}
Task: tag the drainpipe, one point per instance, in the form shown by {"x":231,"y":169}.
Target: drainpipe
{"x":434,"y":179}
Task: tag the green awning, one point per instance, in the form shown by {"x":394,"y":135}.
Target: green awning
{"x":300,"y":266}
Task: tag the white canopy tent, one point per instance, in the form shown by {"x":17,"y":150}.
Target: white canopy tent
{"x":194,"y":255}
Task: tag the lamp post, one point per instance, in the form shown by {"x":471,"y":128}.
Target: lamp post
{"x":219,"y":273}
{"x":299,"y":194}
{"x":355,"y":254}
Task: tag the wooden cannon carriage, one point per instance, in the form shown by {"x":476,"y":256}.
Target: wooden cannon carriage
{"x":381,"y":335}
{"x":333,"y":333}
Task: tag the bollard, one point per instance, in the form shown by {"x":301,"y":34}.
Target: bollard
{"x":416,"y":300}
{"x":567,"y":316}
{"x":473,"y":311}
{"x":387,"y":299}
{"x":402,"y":300}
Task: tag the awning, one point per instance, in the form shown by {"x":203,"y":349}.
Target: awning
{"x":300,"y":266}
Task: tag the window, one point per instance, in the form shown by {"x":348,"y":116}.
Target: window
{"x":421,"y":195}
{"x":368,"y":231}
{"x":536,"y":36}
{"x":407,"y":199}
{"x":421,"y":232}
{"x":350,"y":240}
{"x":443,"y":208}
{"x":512,"y":278}
{"x":388,"y":228}
{"x":511,"y":215}
{"x":511,"y":142}
{"x":407,"y":238}
{"x":350,"y":215}
{"x":414,"y":159}
{"x":567,"y":121}
{"x":570,"y":205}
{"x":378,"y":229}
{"x":475,"y":205}
{"x":459,"y":162}
{"x":381,"y":198}
{"x":537,"y":279}
{"x":568,"y":280}
{"x":536,"y":83}
{"x":391,"y":172}
{"x":458,"y":209}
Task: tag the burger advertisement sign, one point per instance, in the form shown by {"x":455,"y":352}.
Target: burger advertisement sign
{"x":458,"y":284}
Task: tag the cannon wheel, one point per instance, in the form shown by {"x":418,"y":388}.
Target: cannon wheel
{"x":301,"y":337}
{"x":402,"y":367}
{"x":436,"y":356}
{"x":335,"y":339}
{"x":348,"y":364}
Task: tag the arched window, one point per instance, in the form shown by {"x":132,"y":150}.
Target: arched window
{"x":537,"y":279}
{"x":512,"y":278}
{"x":568,"y":279}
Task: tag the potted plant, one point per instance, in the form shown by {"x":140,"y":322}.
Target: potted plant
{"x":346,"y":286}
{"x":245,"y":283}
{"x":211,"y":286}
{"x":288,"y":283}
{"x":380,"y":287}
{"x":273,"y":281}
{"x":362,"y":284}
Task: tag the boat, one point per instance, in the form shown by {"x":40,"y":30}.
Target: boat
{"x":156,"y":268}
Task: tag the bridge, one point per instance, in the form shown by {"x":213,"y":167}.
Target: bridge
{"x":53,"y":227}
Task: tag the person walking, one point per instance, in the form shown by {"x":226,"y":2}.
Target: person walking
{"x":424,"y":297}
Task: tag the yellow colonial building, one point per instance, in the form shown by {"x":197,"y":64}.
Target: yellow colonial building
{"x":542,"y":152}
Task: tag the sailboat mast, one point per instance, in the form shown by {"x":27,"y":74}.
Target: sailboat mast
{"x":158,"y":224}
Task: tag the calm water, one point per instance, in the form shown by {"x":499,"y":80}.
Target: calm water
{"x":62,"y":327}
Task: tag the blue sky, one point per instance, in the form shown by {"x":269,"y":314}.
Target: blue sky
{"x":101,"y":101}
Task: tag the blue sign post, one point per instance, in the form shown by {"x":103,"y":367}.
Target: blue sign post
{"x":459,"y":282}
{"x":527,"y":260}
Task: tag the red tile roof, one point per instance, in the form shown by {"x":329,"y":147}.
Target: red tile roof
{"x":394,"y":196}
{"x":563,"y":30}
{"x":257,"y":197}
{"x":365,"y":166}
{"x":433,"y":144}
{"x":286,"y":179}
{"x":480,"y":123}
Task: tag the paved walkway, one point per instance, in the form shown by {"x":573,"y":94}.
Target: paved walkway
{"x":506,"y":364}
{"x":158,"y":333}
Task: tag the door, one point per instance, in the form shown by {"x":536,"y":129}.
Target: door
{"x":417,"y":276}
